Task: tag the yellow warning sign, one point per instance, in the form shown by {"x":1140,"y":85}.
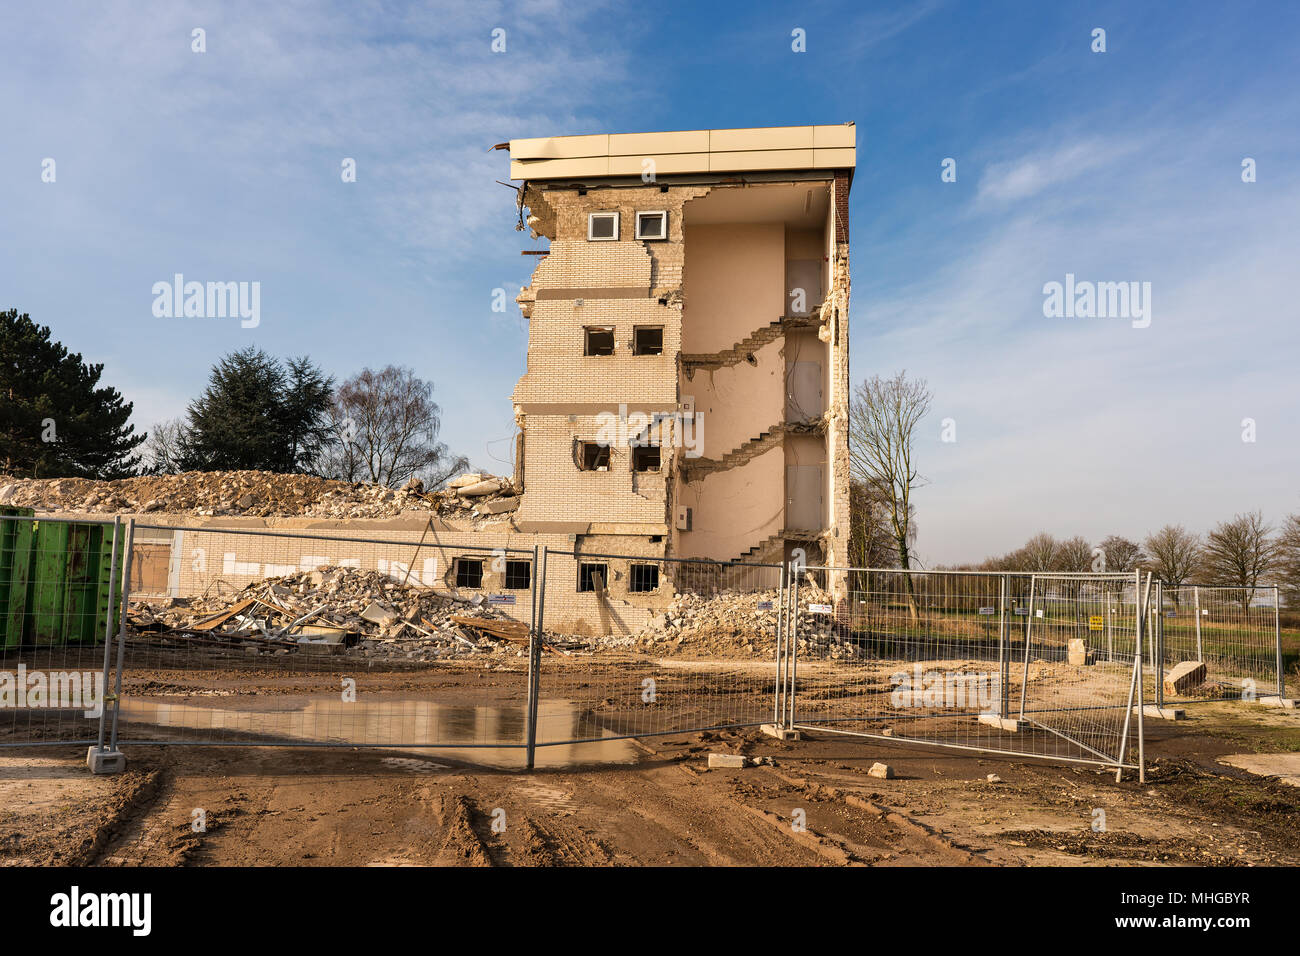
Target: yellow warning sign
{"x":1096,"y":622}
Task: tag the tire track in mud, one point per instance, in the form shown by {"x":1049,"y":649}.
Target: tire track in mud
{"x":675,"y":817}
{"x":131,"y":806}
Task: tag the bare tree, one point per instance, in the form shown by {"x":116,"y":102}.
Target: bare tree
{"x":162,"y":451}
{"x":1288,"y":559}
{"x":1039,"y":553}
{"x":883,"y":417}
{"x":1173,"y":554}
{"x":1121,"y":554}
{"x":1073,"y":554}
{"x":870,"y":537}
{"x":1239,"y":552}
{"x":385,"y":428}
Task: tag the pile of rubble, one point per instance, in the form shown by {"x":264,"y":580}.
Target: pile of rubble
{"x":735,"y":622}
{"x":716,"y":623}
{"x":258,"y":494}
{"x":336,"y":610}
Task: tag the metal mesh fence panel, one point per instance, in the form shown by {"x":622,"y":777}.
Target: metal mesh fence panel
{"x":305,"y":638}
{"x":59,"y":606}
{"x":1030,"y":665}
{"x":1221,"y":643}
{"x":639,"y":646}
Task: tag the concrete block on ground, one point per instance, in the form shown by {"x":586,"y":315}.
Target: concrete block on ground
{"x":780,"y":733}
{"x":1010,"y":724}
{"x":1275,"y":701}
{"x":993,"y":778}
{"x":882,"y":770}
{"x":1162,"y":713}
{"x":727,"y":761}
{"x":105,"y":761}
{"x":1184,"y":677}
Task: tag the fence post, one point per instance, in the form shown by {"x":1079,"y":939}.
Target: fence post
{"x":1196,"y":609}
{"x":1158,"y":661}
{"x":535,"y":654}
{"x":1029,"y":630}
{"x":121,"y":634}
{"x":108,"y":635}
{"x":792,"y":647}
{"x":783,"y":608}
{"x":1110,"y":638}
{"x":1141,"y":690}
{"x":1277,"y":640}
{"x":1004,"y":645}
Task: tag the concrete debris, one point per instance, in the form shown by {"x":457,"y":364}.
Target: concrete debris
{"x":712,"y":623}
{"x":254,"y":494}
{"x":726,"y":761}
{"x":497,"y":506}
{"x":882,"y":770}
{"x":994,"y":778}
{"x":481,"y":488}
{"x":1184,"y":677}
{"x":388,"y":619}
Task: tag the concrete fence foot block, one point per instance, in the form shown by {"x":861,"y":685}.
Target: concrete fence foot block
{"x":105,"y":761}
{"x":1276,"y":701}
{"x":1010,"y":724}
{"x":1163,"y":713}
{"x":780,"y":733}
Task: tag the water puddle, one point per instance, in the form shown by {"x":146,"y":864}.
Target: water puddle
{"x":485,"y":735}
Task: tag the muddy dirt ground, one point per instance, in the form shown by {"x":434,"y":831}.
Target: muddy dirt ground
{"x":275,"y":806}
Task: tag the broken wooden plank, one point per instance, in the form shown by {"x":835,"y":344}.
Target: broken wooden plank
{"x":502,"y":630}
{"x":219,"y":619}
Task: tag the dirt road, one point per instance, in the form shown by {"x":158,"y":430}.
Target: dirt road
{"x":273,"y":806}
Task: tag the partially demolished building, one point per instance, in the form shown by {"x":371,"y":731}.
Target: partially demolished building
{"x":685,"y":397}
{"x":686,"y":392}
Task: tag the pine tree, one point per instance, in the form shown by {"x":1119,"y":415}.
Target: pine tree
{"x":55,"y":418}
{"x":257,"y":414}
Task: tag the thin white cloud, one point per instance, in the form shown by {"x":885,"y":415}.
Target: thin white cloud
{"x":1029,"y":175}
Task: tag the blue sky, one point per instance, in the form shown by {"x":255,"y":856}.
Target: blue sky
{"x":1115,"y":166}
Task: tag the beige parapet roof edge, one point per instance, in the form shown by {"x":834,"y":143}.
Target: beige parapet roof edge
{"x":692,"y":151}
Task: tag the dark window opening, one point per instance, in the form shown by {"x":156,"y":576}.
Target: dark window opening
{"x":519,"y":575}
{"x":592,"y":575}
{"x":469,"y":574}
{"x":648,"y":340}
{"x":644,"y":577}
{"x":595,"y":457}
{"x":645,"y":457}
{"x":600,"y":340}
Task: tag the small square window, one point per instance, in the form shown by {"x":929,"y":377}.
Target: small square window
{"x":602,"y":226}
{"x":648,"y":340}
{"x":519,"y":575}
{"x":595,"y":456}
{"x":652,"y":225}
{"x":645,"y":457}
{"x":469,"y":573}
{"x":598,"y":339}
{"x":643,"y":578}
{"x":593,"y":577}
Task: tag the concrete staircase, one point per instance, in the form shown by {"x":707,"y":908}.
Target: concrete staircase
{"x":697,"y":469}
{"x":737,"y":353}
{"x":768,"y":551}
